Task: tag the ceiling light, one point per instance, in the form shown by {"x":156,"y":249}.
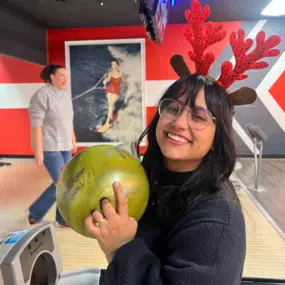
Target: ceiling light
{"x":274,"y":8}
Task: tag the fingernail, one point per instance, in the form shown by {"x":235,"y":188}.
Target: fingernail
{"x":116,"y":183}
{"x":92,"y":212}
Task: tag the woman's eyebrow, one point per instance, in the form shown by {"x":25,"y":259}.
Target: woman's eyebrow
{"x":195,"y":106}
{"x":200,"y":107}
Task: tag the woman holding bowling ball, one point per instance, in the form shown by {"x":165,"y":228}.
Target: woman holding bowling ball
{"x":193,"y":230}
{"x":53,"y":137}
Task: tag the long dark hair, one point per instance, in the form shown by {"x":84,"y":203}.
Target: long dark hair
{"x":217,"y":165}
{"x":48,"y":70}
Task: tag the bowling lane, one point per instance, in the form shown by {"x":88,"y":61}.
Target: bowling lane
{"x":22,"y":182}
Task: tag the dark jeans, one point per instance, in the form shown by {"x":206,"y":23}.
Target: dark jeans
{"x":53,"y":161}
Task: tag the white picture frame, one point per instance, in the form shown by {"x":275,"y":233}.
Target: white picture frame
{"x":81,"y":67}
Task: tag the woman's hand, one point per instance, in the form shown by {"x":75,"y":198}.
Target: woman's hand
{"x":39,"y":157}
{"x":74,"y":147}
{"x":112,"y":229}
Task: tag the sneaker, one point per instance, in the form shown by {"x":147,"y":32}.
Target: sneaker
{"x":32,"y":221}
{"x":65,"y":225}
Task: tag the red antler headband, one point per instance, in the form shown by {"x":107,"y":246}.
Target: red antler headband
{"x":201,"y":35}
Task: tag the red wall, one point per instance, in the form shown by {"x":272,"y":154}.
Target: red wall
{"x":157,"y":56}
{"x":14,"y":126}
{"x":14,"y":70}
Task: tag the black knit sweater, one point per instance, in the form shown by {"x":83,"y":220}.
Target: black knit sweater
{"x":206,"y":246}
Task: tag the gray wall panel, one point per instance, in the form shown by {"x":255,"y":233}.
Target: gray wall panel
{"x":22,"y":38}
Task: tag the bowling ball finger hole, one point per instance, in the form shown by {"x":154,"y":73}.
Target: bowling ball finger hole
{"x":101,"y":202}
{"x":101,"y":205}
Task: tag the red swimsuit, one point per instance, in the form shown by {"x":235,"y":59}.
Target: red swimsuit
{"x":114,"y":86}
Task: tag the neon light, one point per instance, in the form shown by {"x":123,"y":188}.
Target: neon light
{"x":172,"y":2}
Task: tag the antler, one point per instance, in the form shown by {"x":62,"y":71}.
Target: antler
{"x":179,"y":65}
{"x":201,"y":36}
{"x":242,"y":96}
{"x":246,"y":62}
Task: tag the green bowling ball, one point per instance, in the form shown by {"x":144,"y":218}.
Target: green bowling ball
{"x":88,"y":177}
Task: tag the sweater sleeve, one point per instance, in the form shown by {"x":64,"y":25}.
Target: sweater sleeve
{"x":37,"y":109}
{"x":205,"y":253}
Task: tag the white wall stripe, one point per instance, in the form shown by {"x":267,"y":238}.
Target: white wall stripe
{"x":266,"y":98}
{"x":155,"y":89}
{"x":17,"y":96}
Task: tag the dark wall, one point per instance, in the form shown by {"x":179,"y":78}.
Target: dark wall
{"x":22,"y":38}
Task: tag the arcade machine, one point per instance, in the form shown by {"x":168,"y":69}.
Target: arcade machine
{"x":154,"y":17}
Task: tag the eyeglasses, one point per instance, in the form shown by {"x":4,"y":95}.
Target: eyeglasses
{"x":198,"y":118}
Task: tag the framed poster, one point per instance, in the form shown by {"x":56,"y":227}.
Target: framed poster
{"x":107,"y":83}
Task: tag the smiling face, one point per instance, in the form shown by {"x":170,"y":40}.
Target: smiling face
{"x":202,"y":141}
{"x":59,"y":78}
{"x":182,"y":146}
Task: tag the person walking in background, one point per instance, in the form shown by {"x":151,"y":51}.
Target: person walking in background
{"x":53,"y":138}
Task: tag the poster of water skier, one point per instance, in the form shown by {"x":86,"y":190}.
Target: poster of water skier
{"x":107,"y":80}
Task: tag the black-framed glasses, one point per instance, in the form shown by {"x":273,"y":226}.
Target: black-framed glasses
{"x":198,"y":118}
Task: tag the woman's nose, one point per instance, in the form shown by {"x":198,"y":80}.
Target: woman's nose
{"x":181,"y":120}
